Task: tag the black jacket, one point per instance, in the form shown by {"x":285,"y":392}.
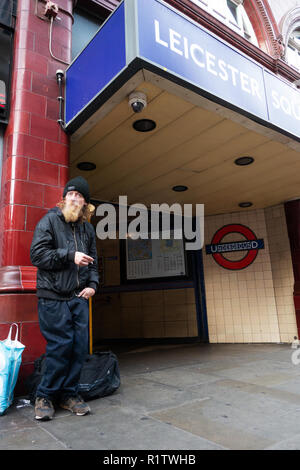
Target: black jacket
{"x":52,"y":251}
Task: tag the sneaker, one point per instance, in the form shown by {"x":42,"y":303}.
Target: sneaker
{"x":76,"y":405}
{"x":44,"y":409}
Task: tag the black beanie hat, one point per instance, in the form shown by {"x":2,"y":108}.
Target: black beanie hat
{"x":78,"y":184}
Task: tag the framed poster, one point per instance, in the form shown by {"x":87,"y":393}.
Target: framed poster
{"x":148,"y":258}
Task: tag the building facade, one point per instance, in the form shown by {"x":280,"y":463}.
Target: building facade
{"x":210,"y":145}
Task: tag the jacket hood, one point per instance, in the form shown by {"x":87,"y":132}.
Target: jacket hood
{"x":57,"y":211}
{"x":54,"y":209}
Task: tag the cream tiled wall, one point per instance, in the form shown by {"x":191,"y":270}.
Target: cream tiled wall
{"x":254,"y":304}
{"x":146,"y":314}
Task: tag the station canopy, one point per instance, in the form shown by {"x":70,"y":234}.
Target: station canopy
{"x":210,"y":105}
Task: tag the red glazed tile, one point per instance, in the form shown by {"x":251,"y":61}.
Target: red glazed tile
{"x":52,"y":109}
{"x":16,"y":248}
{"x":32,"y":23}
{"x":26,"y":5}
{"x":22,"y":80}
{"x":4,"y":330}
{"x":52,"y":67}
{"x":27,"y":145}
{"x":63,"y":137}
{"x":25,"y":39}
{"x":9,"y":142}
{"x":7,"y":193}
{"x":15,"y":168}
{"x":64,"y":175}
{"x":17,"y":306}
{"x":32,"y":338}
{"x":57,"y":153}
{"x":45,"y":86}
{"x":30,"y":102}
{"x":21,"y":121}
{"x":52,"y":196}
{"x":30,"y":60}
{"x":65,"y":53}
{"x":25,"y":192}
{"x":65,"y":24}
{"x":42,"y":172}
{"x":42,"y":44}
{"x":14,"y":217}
{"x":34,"y":214}
{"x":28,"y":278}
{"x":19,"y":57}
{"x":45,"y":128}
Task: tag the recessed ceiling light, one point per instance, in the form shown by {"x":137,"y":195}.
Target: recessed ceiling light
{"x":144,"y":125}
{"x":180,"y":188}
{"x":244,"y":161}
{"x":86,"y":166}
{"x":245,"y":204}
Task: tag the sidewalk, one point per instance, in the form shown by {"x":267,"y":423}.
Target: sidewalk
{"x":192,"y":397}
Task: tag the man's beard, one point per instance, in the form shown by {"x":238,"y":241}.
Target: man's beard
{"x":71,"y":212}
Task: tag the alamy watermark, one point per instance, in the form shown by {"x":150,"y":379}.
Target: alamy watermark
{"x":160,"y":221}
{"x":295,"y":357}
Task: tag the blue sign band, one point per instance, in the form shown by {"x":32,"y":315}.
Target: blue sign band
{"x":245,"y":245}
{"x":180,"y":46}
{"x":157,"y":37}
{"x":283,"y":104}
{"x":98,"y":64}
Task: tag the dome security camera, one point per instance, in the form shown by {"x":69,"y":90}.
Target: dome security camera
{"x":137,"y":101}
{"x":59,"y":74}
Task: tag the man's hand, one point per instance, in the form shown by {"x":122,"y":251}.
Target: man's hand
{"x":82,"y":259}
{"x":87,"y":293}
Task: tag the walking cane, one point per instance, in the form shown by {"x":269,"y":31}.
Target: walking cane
{"x":90,"y":326}
{"x":92,"y":210}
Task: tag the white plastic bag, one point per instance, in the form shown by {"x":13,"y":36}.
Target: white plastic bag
{"x":10,"y":361}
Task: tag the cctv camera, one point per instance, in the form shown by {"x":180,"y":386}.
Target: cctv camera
{"x":138,"y":101}
{"x":59,"y":74}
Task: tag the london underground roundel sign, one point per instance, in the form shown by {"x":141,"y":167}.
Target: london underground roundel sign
{"x":251,"y":244}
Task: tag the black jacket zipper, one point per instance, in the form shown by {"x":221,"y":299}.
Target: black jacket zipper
{"x":76,"y":247}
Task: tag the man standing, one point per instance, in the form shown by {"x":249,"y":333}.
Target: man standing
{"x":64,"y":250}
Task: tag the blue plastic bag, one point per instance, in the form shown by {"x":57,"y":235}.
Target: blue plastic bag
{"x":10,"y":361}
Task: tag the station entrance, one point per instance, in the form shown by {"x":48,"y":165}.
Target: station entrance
{"x":213,"y":122}
{"x":151,"y":291}
{"x":196,"y":144}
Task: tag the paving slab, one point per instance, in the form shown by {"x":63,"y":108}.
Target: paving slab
{"x":289,"y":444}
{"x":145,"y":395}
{"x":185,"y":396}
{"x":110,"y":427}
{"x":180,"y":377}
{"x":209,"y":421}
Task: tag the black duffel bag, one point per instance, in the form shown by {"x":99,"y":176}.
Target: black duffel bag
{"x":100,"y":376}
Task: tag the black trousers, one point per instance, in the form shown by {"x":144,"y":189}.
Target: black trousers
{"x":64,"y":325}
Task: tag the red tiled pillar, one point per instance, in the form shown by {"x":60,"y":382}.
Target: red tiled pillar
{"x":292,"y":212}
{"x":35,"y":165}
